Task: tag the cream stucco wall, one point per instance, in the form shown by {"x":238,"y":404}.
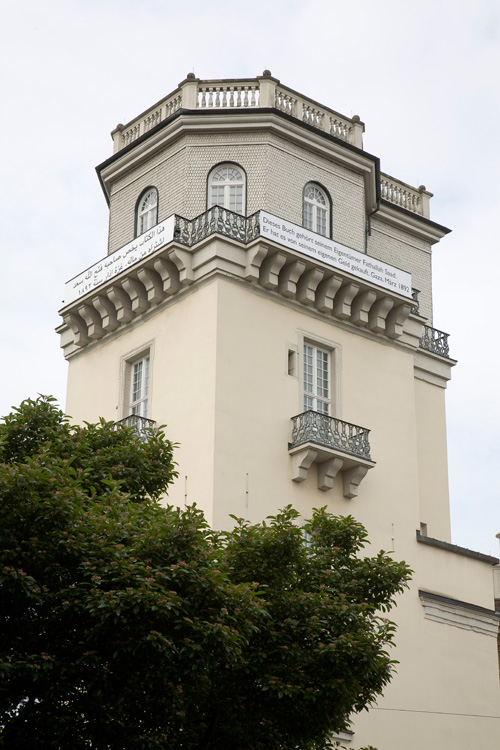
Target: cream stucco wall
{"x":220,"y":382}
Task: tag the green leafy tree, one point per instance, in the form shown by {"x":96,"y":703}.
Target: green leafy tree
{"x":125,"y":624}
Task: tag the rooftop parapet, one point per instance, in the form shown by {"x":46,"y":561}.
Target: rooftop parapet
{"x":263,"y":92}
{"x":266,"y":92}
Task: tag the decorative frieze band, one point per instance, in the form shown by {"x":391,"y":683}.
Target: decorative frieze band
{"x":460,"y":614}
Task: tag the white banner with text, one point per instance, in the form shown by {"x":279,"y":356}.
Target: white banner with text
{"x":118,"y":261}
{"x":334,"y":254}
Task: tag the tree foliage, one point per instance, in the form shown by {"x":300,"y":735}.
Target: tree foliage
{"x":125,"y":624}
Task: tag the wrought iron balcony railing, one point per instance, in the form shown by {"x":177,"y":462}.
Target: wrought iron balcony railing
{"x":313,"y":427}
{"x":435,"y":341}
{"x":141,"y":425}
{"x":415,"y":310}
{"x":217,"y":220}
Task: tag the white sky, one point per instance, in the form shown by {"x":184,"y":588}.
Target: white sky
{"x":423,"y":77}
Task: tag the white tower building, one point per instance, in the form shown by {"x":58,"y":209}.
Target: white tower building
{"x":259,"y":297}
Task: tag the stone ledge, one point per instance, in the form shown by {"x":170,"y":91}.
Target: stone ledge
{"x":448,"y":547}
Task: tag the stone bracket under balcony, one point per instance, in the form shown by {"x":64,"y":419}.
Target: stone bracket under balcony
{"x":333,"y":446}
{"x":329,"y":462}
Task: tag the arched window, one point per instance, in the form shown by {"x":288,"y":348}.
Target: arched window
{"x":147,"y":211}
{"x":316,"y":209}
{"x":226,"y":188}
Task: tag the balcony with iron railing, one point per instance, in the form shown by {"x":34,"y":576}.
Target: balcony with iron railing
{"x":334,"y":446}
{"x":435,"y":341}
{"x":266,"y":92}
{"x":141,"y":426}
{"x":217,"y":220}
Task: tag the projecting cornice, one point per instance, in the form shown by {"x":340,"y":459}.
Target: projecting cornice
{"x":419,"y":226}
{"x":119,"y":290}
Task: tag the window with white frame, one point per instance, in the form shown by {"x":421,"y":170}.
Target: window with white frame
{"x":316,"y":210}
{"x":226,"y":188}
{"x":139,"y":387}
{"x":147,"y":211}
{"x":317,"y":376}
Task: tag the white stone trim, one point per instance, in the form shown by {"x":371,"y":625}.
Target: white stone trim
{"x":460,"y":615}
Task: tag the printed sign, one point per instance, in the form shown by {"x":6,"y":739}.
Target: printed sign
{"x":334,"y":254}
{"x":118,"y":261}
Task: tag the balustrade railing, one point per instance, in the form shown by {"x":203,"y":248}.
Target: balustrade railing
{"x":264,"y":91}
{"x":267,"y":92}
{"x":435,"y":341}
{"x":227,"y":95}
{"x":217,"y":220}
{"x":311,"y":426}
{"x":400,"y":194}
{"x":142,"y":425}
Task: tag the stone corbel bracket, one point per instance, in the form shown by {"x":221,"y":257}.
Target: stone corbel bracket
{"x":328,"y":290}
{"x":329,"y":462}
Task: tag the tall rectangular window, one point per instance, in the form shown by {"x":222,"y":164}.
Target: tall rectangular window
{"x":139,"y":387}
{"x":316,"y":374}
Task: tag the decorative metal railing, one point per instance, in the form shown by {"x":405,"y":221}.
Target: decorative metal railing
{"x":435,"y":341}
{"x":141,"y":425}
{"x":415,"y":310}
{"x":217,"y":220}
{"x":313,"y":427}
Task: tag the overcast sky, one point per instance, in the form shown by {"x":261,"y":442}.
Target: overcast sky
{"x":423,"y":77}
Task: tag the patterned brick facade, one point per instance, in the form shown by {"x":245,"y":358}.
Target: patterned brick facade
{"x":277,"y":170}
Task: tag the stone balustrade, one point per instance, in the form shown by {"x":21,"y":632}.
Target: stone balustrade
{"x":400,"y":194}
{"x":263,"y":92}
{"x":266,"y":92}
